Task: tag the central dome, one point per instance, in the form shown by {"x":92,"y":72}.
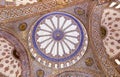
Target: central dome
{"x":58,"y":40}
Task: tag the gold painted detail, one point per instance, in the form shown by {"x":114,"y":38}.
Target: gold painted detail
{"x":89,"y":61}
{"x":103,"y":32}
{"x":62,"y":2}
{"x":22,"y":26}
{"x":39,"y":0}
{"x":80,"y":12}
{"x":40,"y":73}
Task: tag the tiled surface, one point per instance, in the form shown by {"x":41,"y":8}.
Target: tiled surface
{"x":9,"y":66}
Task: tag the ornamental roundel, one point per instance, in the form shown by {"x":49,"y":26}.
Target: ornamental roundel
{"x":58,"y":40}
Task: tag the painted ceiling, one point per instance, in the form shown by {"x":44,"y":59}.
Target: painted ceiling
{"x":59,"y":38}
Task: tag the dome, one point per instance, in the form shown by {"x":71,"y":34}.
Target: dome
{"x":58,"y":40}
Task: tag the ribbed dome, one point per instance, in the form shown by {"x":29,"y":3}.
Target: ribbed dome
{"x":58,"y":40}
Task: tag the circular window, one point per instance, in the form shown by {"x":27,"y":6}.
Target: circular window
{"x":58,"y":40}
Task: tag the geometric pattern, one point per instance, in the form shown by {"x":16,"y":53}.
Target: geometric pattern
{"x":58,"y":40}
{"x":111,"y":20}
{"x":9,"y":65}
{"x":13,"y":57}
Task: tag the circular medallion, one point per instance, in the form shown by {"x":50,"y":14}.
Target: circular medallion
{"x":79,"y":11}
{"x":23,"y":26}
{"x":58,"y":40}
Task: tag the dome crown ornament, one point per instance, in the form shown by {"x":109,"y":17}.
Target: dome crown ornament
{"x":57,"y":39}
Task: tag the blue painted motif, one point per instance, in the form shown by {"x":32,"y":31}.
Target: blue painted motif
{"x":57,"y":35}
{"x":60,"y":59}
